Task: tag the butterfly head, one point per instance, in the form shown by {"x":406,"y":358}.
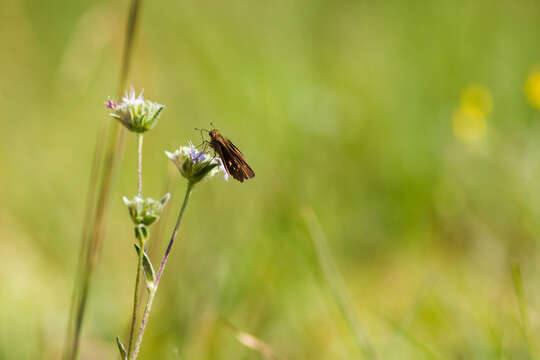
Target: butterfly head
{"x":214,"y":133}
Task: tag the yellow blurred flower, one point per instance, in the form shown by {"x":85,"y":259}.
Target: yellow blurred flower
{"x":477,"y":96}
{"x":469,"y":121}
{"x":532,"y":88}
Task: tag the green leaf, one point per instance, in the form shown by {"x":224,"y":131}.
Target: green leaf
{"x":121,"y":348}
{"x":147,"y":266}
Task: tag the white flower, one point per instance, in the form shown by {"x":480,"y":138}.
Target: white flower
{"x":134,"y":112}
{"x":130,"y":99}
{"x":195,"y":164}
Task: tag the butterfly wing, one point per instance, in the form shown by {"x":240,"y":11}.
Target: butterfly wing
{"x":237,"y":162}
{"x":232,"y":158}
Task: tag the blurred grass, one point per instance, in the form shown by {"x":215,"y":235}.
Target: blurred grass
{"x":104,"y":168}
{"x":343,"y":106}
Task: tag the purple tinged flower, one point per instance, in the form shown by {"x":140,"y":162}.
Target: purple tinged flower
{"x":134,"y":112}
{"x":196,"y":165}
{"x":197,"y":157}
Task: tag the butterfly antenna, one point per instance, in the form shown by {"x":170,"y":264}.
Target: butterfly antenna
{"x":201,"y":131}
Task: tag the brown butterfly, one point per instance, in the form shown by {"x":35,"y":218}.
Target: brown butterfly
{"x":232,"y":158}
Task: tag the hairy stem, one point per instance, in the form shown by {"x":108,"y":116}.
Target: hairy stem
{"x":141,"y":253}
{"x":136,"y":297}
{"x":139,"y":167}
{"x":149,"y":302}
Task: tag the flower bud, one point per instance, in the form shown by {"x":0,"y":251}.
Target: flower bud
{"x":145,"y":211}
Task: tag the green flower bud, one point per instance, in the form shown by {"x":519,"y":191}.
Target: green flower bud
{"x":145,"y":211}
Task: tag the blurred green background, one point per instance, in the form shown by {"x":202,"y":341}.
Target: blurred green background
{"x":405,"y":125}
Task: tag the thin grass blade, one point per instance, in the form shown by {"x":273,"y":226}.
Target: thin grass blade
{"x":335,"y":282}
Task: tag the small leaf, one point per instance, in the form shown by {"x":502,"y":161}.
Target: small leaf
{"x":164,"y":199}
{"x":121,"y":348}
{"x":147,"y":266}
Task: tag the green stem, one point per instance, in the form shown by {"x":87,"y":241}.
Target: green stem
{"x":136,"y":297}
{"x":150,"y":300}
{"x":139,"y":167}
{"x":142,"y":244}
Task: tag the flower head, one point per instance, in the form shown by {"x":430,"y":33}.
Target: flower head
{"x":145,"y":211}
{"x":195,"y":164}
{"x":134,"y":112}
{"x":469,"y":124}
{"x":469,"y":121}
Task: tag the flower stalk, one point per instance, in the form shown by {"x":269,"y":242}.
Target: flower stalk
{"x":194,"y":165}
{"x":143,"y":246}
{"x":152,"y":294}
{"x":142,"y":240}
{"x":143,"y":212}
{"x":139,"y":166}
{"x":139,"y":115}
